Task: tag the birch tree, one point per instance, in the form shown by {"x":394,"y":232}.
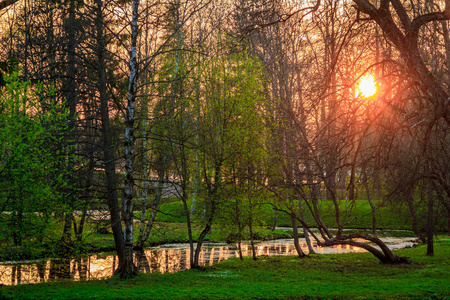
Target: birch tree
{"x":127,"y":268}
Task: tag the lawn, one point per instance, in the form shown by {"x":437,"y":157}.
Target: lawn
{"x":340,"y":276}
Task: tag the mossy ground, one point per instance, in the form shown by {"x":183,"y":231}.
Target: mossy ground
{"x":340,"y":276}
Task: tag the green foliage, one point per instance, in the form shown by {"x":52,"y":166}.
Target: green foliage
{"x":209,"y":130}
{"x":232,"y":107}
{"x":338,"y":276}
{"x":7,"y":67}
{"x":32,"y":176}
{"x":232,"y":134}
{"x":167,"y":212}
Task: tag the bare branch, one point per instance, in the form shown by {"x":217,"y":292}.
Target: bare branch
{"x":401,"y":12}
{"x":427,"y":18}
{"x":6,"y":3}
{"x":282,"y":18}
{"x":366,"y":7}
{"x":384,"y":19}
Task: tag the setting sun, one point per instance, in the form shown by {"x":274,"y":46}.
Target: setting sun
{"x":367,"y":86}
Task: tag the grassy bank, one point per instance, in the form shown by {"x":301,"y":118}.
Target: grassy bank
{"x":341,"y":276}
{"x":171,"y":227}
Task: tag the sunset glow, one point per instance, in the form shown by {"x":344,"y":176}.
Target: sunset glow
{"x":367,"y":87}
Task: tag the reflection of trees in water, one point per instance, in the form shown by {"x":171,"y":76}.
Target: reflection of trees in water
{"x":80,"y":269}
{"x":41,"y":269}
{"x":95,"y":267}
{"x":142,"y":261}
{"x":60,"y":268}
{"x":16,"y":274}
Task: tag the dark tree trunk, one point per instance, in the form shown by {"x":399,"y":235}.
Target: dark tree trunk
{"x":198,"y":248}
{"x":205,"y":231}
{"x":296,"y":239}
{"x":189,"y":226}
{"x":274,"y":224}
{"x":252,"y":238}
{"x":412,"y":211}
{"x":108,"y":150}
{"x":295,"y":230}
{"x":71,"y":102}
{"x":430,"y":224}
{"x":78,"y":229}
{"x":448,"y":221}
{"x":305,"y":230}
{"x":240,"y":249}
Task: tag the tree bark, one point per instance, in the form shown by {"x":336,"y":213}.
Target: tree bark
{"x":430,"y":223}
{"x":195,"y":264}
{"x":127,"y":268}
{"x":71,"y":102}
{"x":295,"y":231}
{"x":212,"y":195}
{"x":305,"y":230}
{"x":296,"y":238}
{"x":252,"y":237}
{"x":108,"y":150}
{"x":412,"y":210}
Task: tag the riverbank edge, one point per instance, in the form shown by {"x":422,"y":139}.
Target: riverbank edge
{"x":275,"y":235}
{"x":332,"y":276}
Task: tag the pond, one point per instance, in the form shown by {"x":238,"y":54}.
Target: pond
{"x":167,"y":258}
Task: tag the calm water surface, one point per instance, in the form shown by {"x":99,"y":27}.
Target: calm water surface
{"x":168,"y":258}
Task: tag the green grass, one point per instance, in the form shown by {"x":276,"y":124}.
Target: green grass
{"x":354,"y":214}
{"x":341,"y":276}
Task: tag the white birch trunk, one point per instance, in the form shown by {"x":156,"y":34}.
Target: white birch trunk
{"x":141,"y":238}
{"x":129,"y":269}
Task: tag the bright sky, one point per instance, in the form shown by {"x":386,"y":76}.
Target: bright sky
{"x":367,"y":86}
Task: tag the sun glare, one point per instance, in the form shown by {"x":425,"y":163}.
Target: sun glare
{"x":367,"y":87}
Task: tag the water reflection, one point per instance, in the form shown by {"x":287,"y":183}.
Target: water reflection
{"x":168,"y":258}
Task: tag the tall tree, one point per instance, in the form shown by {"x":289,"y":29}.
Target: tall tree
{"x":107,"y":136}
{"x":127,"y":268}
